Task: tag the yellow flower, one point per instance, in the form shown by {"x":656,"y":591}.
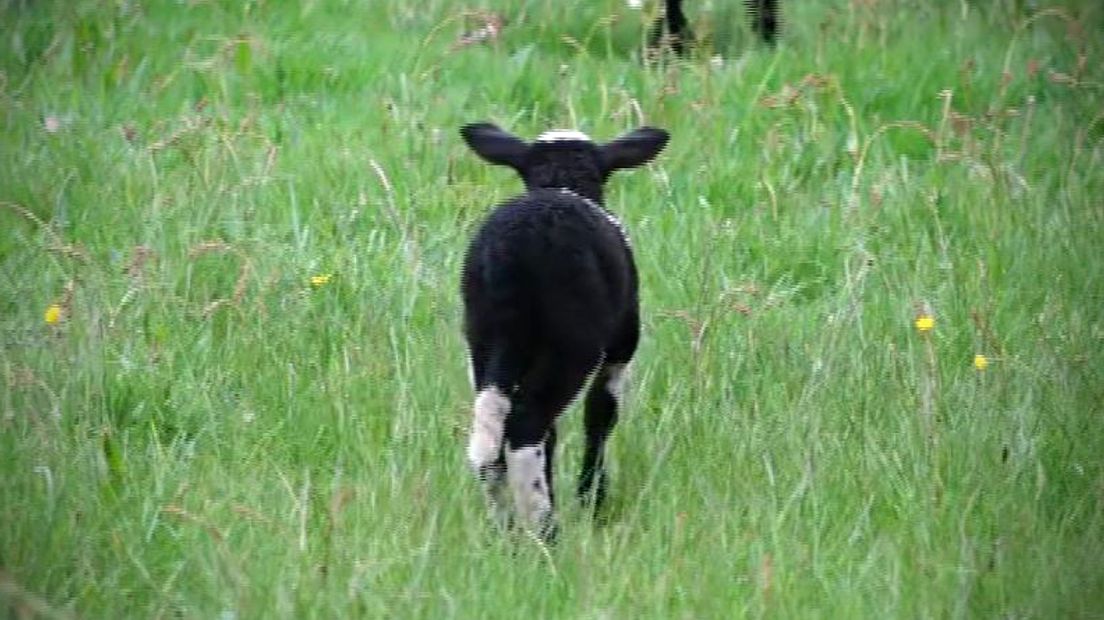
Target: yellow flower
{"x":981,"y":362}
{"x":925,"y":323}
{"x":321,"y":280}
{"x":53,"y":314}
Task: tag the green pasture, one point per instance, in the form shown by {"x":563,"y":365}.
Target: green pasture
{"x":232,"y":380}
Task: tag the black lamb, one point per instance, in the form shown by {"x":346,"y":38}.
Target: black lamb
{"x":550,"y":300}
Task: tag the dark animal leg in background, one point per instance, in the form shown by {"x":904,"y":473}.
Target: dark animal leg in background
{"x":673,"y":27}
{"x":764,"y":19}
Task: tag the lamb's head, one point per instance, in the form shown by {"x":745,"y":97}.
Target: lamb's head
{"x":563,"y":158}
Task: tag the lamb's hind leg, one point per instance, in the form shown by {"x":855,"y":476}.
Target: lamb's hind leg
{"x":603,"y":401}
{"x":493,"y":370}
{"x":485,"y":448}
{"x":530,"y":435}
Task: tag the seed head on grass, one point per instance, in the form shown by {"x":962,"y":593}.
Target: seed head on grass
{"x":981,"y":362}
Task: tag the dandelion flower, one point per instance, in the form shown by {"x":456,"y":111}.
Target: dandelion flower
{"x":321,"y":280}
{"x":53,"y":314}
{"x":925,"y":323}
{"x":981,"y":362}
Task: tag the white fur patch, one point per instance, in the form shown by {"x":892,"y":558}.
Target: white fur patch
{"x":525,"y":471}
{"x":488,"y":422}
{"x":611,"y":218}
{"x":617,"y":378}
{"x":494,"y":486}
{"x":563,"y":135}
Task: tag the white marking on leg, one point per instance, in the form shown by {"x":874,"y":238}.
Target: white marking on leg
{"x":484,"y":446}
{"x":617,"y":378}
{"x":488,"y":421}
{"x":493,"y":478}
{"x":525,"y":471}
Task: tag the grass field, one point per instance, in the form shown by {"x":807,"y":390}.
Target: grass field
{"x":232,"y":382}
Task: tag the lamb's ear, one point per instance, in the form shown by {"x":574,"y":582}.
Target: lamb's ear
{"x":495,"y":145}
{"x":632,"y":149}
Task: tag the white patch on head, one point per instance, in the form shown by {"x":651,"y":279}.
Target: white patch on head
{"x":617,"y":375}
{"x":563,"y":135}
{"x":488,"y":422}
{"x":525,"y":471}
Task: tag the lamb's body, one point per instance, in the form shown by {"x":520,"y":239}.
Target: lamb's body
{"x":550,"y":298}
{"x":549,"y":269}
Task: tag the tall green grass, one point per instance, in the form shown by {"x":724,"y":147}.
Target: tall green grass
{"x":203,"y":432}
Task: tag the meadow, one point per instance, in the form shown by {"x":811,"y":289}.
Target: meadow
{"x":232,"y":381}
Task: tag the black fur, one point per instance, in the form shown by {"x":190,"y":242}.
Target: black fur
{"x":550,"y":289}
